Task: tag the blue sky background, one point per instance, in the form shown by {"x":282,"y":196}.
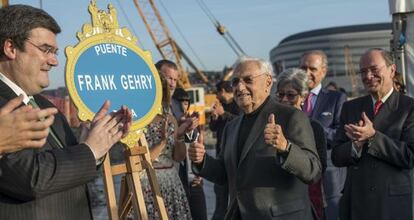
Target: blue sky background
{"x":257,"y":25}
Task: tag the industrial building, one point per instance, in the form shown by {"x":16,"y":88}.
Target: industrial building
{"x":343,"y":46}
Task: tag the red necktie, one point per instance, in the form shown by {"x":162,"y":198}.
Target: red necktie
{"x":307,"y":106}
{"x":377,"y":106}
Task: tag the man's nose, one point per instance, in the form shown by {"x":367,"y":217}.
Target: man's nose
{"x":53,"y":61}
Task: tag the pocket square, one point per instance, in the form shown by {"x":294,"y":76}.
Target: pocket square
{"x":326,"y":113}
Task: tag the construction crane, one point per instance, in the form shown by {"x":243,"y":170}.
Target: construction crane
{"x":222,"y":30}
{"x":164,"y":42}
{"x":350,"y":70}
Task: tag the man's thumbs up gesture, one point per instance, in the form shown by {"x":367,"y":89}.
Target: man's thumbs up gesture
{"x":273,"y":135}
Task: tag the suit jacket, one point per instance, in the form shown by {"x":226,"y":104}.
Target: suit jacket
{"x":378,"y":184}
{"x":50,"y":182}
{"x":264,"y":184}
{"x":327,"y":111}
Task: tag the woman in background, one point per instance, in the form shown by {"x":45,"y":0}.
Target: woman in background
{"x":292,"y":90}
{"x":166,"y":149}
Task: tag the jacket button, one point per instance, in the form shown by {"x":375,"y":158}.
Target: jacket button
{"x":355,"y":168}
{"x":372,"y":188}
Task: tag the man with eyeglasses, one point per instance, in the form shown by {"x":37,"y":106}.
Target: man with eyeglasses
{"x":47,"y":182}
{"x":324,"y":106}
{"x":375,"y":141}
{"x":268,"y":153}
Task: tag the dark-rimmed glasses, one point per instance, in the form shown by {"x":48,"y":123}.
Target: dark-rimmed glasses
{"x":46,"y":49}
{"x":247,"y":80}
{"x":289,"y":95}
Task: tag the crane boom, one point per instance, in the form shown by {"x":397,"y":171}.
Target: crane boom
{"x":163,"y":40}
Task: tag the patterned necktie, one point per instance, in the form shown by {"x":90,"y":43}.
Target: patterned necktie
{"x":33,"y":103}
{"x":307,"y":106}
{"x":377,"y":107}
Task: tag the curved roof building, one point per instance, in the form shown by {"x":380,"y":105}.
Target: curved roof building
{"x":343,"y":46}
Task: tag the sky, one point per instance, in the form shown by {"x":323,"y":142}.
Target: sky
{"x":258,"y":26}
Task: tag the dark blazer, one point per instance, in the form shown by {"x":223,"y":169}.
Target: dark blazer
{"x":265,"y":184}
{"x":320,"y":142}
{"x":378,"y":185}
{"x":327,"y":111}
{"x":47,"y":183}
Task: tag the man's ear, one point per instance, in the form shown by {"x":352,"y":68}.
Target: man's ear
{"x":393,"y":69}
{"x":269,"y":82}
{"x":9,"y":49}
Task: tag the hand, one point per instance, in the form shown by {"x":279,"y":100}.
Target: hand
{"x":23,"y":127}
{"x":361,"y":131}
{"x":217,"y":109}
{"x":196,"y":152}
{"x":273,"y":135}
{"x":107,"y":129}
{"x":196,"y":181}
{"x":188,"y":124}
{"x":164,"y":129}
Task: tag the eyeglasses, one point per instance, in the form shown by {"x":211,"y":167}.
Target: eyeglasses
{"x":46,"y":49}
{"x":289,"y":95}
{"x":248,"y":80}
{"x":373,"y":69}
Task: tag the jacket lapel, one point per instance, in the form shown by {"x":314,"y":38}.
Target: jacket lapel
{"x":54,"y":127}
{"x":257,"y":130}
{"x":320,"y":101}
{"x":384,"y":113}
{"x":6,"y":92}
{"x":234,"y":137}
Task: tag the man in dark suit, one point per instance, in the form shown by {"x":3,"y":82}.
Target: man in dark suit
{"x":375,"y":141}
{"x":268,"y":153}
{"x":48,"y":182}
{"x":325,"y":106}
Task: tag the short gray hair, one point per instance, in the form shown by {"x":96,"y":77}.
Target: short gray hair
{"x":296,"y":77}
{"x":319,"y":53}
{"x":265,"y":66}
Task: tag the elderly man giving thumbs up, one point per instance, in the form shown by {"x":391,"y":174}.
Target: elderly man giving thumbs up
{"x":268,"y":154}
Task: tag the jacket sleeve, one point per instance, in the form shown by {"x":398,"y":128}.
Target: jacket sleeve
{"x":302,"y":160}
{"x":213,"y":169}
{"x":331,"y":130}
{"x":33,"y":173}
{"x":399,"y":152}
{"x":342,"y":148}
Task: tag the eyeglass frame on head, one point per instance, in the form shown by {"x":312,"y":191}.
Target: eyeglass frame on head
{"x":289,"y":96}
{"x":247,"y":80}
{"x":46,"y":49}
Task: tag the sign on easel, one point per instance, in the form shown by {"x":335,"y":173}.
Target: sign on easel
{"x":107,"y":64}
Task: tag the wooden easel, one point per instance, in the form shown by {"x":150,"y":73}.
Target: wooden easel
{"x":137,"y":159}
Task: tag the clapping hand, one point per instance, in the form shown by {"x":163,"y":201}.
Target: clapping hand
{"x":361,"y":131}
{"x":107,"y":129}
{"x":23,"y":127}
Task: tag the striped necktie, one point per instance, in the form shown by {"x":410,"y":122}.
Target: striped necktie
{"x":33,"y":103}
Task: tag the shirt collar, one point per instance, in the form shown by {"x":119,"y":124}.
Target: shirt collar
{"x":383,"y":98}
{"x":16,"y":89}
{"x":316,"y":90}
